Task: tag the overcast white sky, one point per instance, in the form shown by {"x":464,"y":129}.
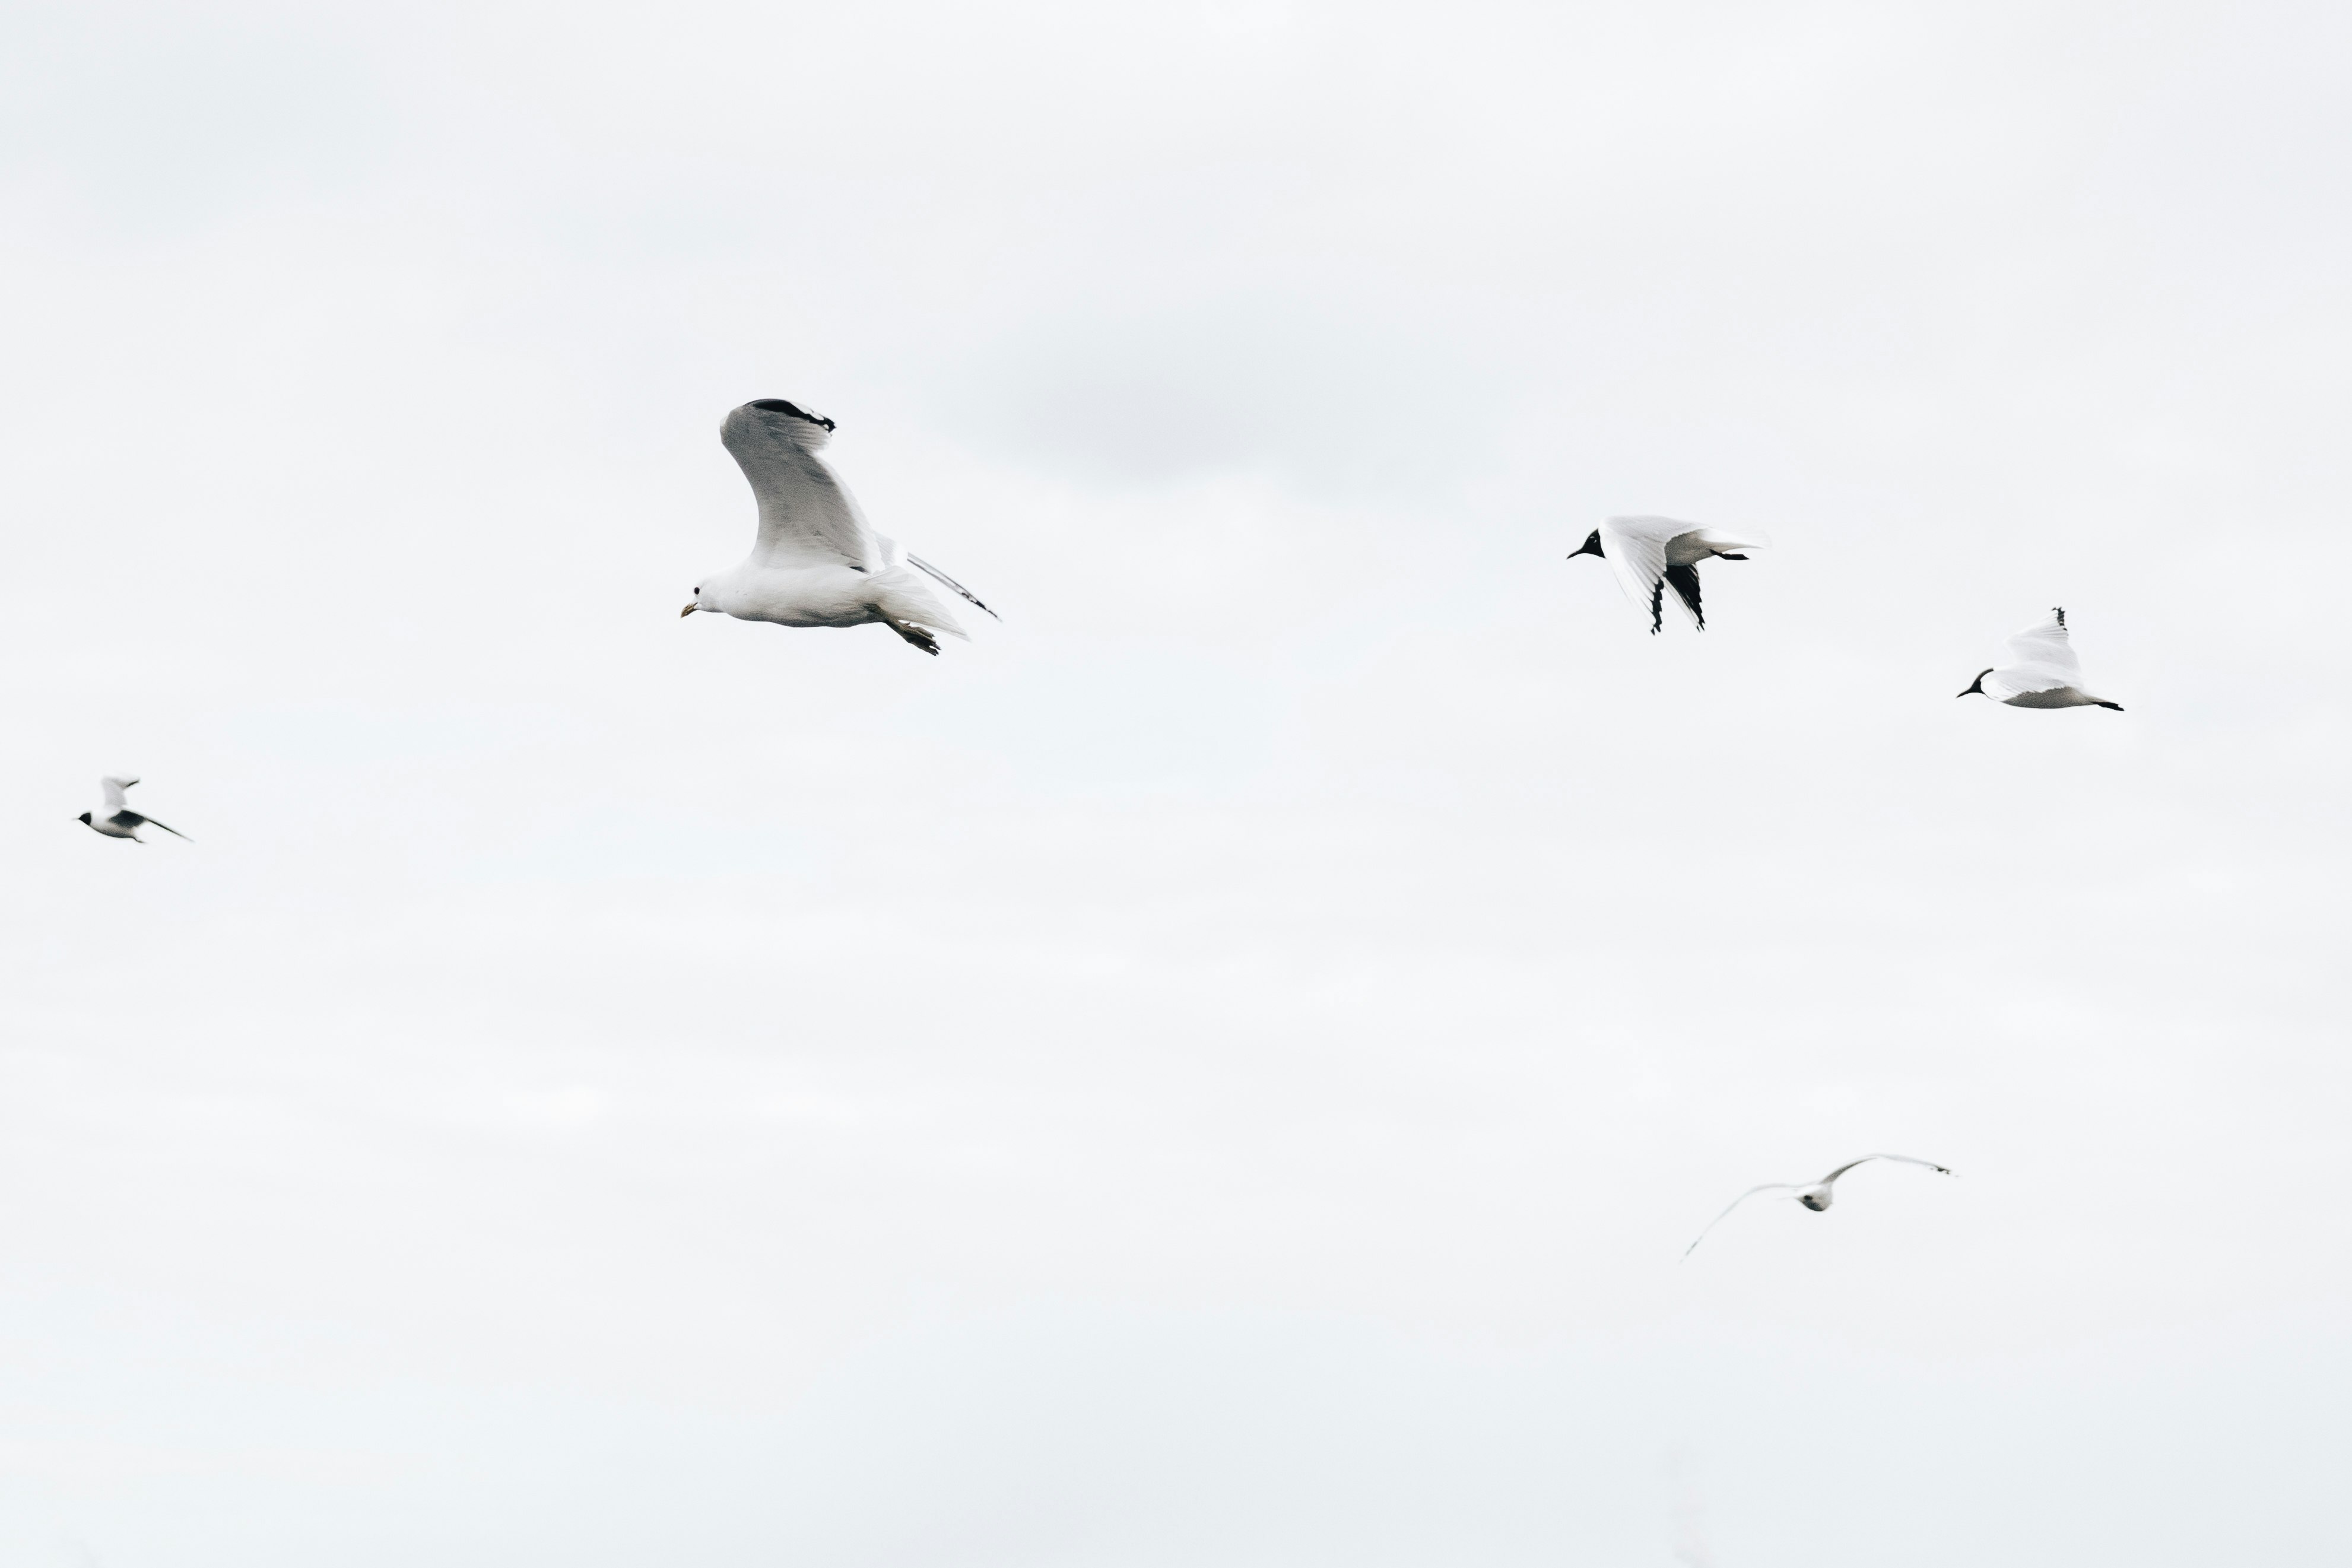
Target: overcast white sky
{"x":1219,"y":1069}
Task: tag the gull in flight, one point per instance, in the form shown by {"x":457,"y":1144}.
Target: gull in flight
{"x":1816,"y":1197}
{"x":817,"y":562}
{"x":1652,"y":554}
{"x":2044,"y":675}
{"x":119,"y":821}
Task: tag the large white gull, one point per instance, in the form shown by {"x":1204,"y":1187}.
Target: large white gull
{"x":1815,"y":1195}
{"x":817,"y":562}
{"x":1652,"y":554}
{"x":2046,"y":674}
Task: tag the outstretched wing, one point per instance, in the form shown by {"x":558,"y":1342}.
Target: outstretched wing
{"x":2045,"y":658}
{"x":1767,"y":1187}
{"x":920,"y":564}
{"x":1906,"y":1159}
{"x":1636,"y":549}
{"x":806,"y":518}
{"x":166,"y":826}
{"x":114,"y":788}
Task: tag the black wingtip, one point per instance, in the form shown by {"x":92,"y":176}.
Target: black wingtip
{"x":779,"y":405}
{"x":1684,"y":580}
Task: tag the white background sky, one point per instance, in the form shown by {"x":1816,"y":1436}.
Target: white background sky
{"x":1220,"y":1069}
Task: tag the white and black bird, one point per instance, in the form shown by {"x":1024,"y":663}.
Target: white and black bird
{"x":2046,"y":674}
{"x":1652,"y":554}
{"x":817,"y":562}
{"x":118,"y":820}
{"x":1816,"y":1196}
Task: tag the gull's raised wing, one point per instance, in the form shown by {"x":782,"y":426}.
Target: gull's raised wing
{"x":1636,"y":549}
{"x":1767,"y":1187}
{"x":806,"y":518}
{"x":2045,"y":658}
{"x":1866,"y":1159}
{"x":114,"y":788}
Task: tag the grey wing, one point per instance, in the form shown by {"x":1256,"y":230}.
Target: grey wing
{"x":1767,"y":1187}
{"x":1635,"y":549}
{"x":151,"y":822}
{"x":918,"y":562}
{"x":1866,"y":1159}
{"x":806,"y":517}
{"x":114,"y":788}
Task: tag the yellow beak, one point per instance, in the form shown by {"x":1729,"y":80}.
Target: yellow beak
{"x":688,"y":611}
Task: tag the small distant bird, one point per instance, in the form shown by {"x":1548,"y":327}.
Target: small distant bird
{"x":119,"y":821}
{"x":1816,"y":1197}
{"x":2044,"y":674}
{"x":816,"y":562}
{"x":1652,"y":554}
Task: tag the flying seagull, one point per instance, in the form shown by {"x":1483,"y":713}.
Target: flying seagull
{"x":1816,"y":1197}
{"x":1652,"y":554}
{"x":2044,"y":675}
{"x":119,"y":821}
{"x":817,"y":562}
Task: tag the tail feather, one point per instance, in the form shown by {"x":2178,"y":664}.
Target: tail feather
{"x":905,"y":597}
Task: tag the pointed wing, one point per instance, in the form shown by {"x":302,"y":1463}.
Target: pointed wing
{"x":1767,"y":1187}
{"x":2045,"y":658}
{"x":1636,"y":550}
{"x":151,"y":822}
{"x":1906,"y":1159}
{"x":806,"y":518}
{"x":114,"y":788}
{"x":922,"y":565}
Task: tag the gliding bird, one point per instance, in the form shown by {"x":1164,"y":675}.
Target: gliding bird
{"x":1816,"y":1197}
{"x":119,"y":821}
{"x":817,"y":562}
{"x":2044,"y":674}
{"x":1652,"y":554}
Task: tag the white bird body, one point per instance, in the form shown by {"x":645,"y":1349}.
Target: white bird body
{"x":1651,"y":555}
{"x":118,"y":820}
{"x":817,"y":562}
{"x":2046,"y":674}
{"x":1816,"y":1196}
{"x":821,"y":595}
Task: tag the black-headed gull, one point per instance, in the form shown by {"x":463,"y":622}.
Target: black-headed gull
{"x":1652,"y":554}
{"x":1816,"y":1196}
{"x":2044,"y":674}
{"x":118,"y":820}
{"x":816,"y":562}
